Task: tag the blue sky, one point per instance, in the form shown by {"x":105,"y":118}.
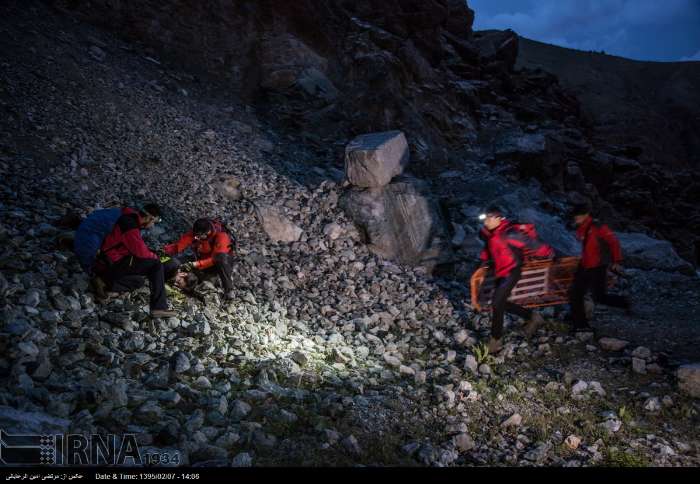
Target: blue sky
{"x":657,"y":30}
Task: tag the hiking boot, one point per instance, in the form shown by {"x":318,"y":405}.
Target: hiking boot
{"x":535,"y":322}
{"x":99,"y":287}
{"x":495,"y":345}
{"x":163,"y":313}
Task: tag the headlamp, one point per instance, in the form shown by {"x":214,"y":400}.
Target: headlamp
{"x":482,"y":217}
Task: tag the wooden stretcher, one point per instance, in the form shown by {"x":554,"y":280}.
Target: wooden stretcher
{"x":543,"y":283}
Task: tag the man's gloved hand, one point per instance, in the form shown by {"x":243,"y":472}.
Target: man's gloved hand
{"x":187,"y":267}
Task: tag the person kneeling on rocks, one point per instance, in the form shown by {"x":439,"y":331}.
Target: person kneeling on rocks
{"x":600,"y":250}
{"x":507,"y":245}
{"x":213,"y":249}
{"x":124,"y":259}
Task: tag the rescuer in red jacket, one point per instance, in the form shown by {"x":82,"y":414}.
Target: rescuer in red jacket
{"x":124,"y":258}
{"x":508,"y":247}
{"x":600,"y":250}
{"x":213,"y":249}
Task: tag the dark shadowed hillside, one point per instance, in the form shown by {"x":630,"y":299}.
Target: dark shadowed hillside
{"x":647,"y":112}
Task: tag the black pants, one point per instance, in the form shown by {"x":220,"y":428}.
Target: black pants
{"x":128,"y":274}
{"x":500,"y":303}
{"x":223,"y":267}
{"x":596,"y":281}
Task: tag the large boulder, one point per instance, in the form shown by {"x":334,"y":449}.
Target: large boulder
{"x":372,"y":160}
{"x":277,"y":226}
{"x":642,"y":252}
{"x":401,"y":221}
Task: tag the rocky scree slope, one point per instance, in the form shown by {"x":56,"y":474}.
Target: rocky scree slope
{"x":329,"y":356}
{"x":337,"y":69}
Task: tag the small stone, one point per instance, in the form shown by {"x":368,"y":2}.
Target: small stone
{"x":596,"y":387}
{"x":242,"y":460}
{"x":579,"y":387}
{"x":464,"y":442}
{"x":421,"y":377}
{"x":639,"y":365}
{"x":239,"y":410}
{"x":513,"y":421}
{"x":471,"y":364}
{"x":202,"y":383}
{"x":611,"y":425}
{"x":149,"y":413}
{"x":391,"y":360}
{"x":299,"y":358}
{"x":180,"y":363}
{"x":406,"y":370}
{"x":689,"y":379}
{"x":333,"y":231}
{"x":642,"y":352}
{"x":451,"y":355}
{"x":484,"y":369}
{"x":667,"y":401}
{"x":572,"y":442}
{"x":652,"y":404}
{"x":612,"y":344}
{"x":351,"y":445}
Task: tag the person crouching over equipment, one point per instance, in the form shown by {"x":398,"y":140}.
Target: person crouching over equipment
{"x":213,"y":249}
{"x":507,"y":246}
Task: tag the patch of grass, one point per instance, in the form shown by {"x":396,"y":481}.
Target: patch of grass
{"x":481,"y":353}
{"x":625,"y":414}
{"x":617,"y":458}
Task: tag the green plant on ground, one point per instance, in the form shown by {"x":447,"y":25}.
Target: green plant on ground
{"x":481,"y":353}
{"x":625,"y":414}
{"x":617,"y":458}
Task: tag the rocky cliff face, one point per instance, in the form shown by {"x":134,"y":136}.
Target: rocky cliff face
{"x":646,"y":116}
{"x":332,"y":70}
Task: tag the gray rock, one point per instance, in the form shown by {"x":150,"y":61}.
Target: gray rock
{"x":643,"y":252}
{"x":239,"y":410}
{"x":20,"y":422}
{"x":539,"y":453}
{"x":579,"y":387}
{"x":351,"y":445}
{"x":471,"y":364}
{"x":652,"y":404}
{"x":689,"y":379}
{"x":242,"y":460}
{"x":612,"y":344}
{"x":464,"y":442}
{"x":299,"y":358}
{"x":277,"y":226}
{"x":149,"y":413}
{"x":179,"y":362}
{"x":372,"y":160}
{"x":642,"y":352}
{"x":401,"y":221}
{"x":639,"y":365}
{"x":513,"y":421}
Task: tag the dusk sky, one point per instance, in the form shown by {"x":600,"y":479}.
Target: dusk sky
{"x":658,"y":30}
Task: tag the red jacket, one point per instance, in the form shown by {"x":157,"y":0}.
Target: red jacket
{"x":125,"y":239}
{"x":205,"y":250}
{"x":508,"y":247}
{"x":595,"y":254}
